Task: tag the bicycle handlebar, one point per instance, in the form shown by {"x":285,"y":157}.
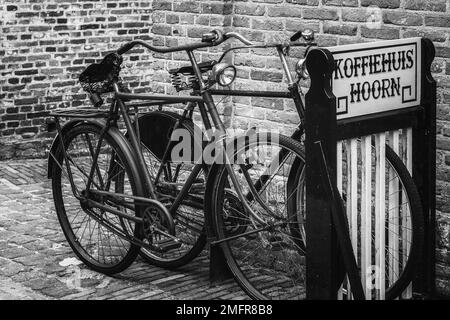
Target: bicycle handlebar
{"x":216,"y":37}
{"x":213,"y":38}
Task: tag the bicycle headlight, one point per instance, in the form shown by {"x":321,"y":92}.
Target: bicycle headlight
{"x":224,"y":73}
{"x":300,"y":68}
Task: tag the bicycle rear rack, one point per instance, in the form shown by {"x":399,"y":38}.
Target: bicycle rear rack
{"x":84,"y":113}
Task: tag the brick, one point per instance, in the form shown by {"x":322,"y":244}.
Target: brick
{"x":267,"y":24}
{"x":434,"y":36}
{"x":284,"y":11}
{"x":89,"y":26}
{"x":382,"y":33}
{"x":437,"y":20}
{"x":269,"y":103}
{"x":217,"y":8}
{"x":241,"y":21}
{"x":402,"y":18}
{"x":161,"y":5}
{"x":355,"y":15}
{"x":443,"y":52}
{"x":325,"y":40}
{"x":391,"y":4}
{"x":249,"y":9}
{"x":249,"y":61}
{"x":428,"y":5}
{"x":12,"y":58}
{"x":16,"y":116}
{"x":39,"y":28}
{"x":25,"y":101}
{"x":337,"y":28}
{"x":187,"y":6}
{"x":162,"y":30}
{"x":300,"y":24}
{"x":172,"y":18}
{"x":320,"y":14}
{"x":341,"y":3}
{"x":304,"y":2}
{"x":267,"y":1}
{"x":266,"y":75}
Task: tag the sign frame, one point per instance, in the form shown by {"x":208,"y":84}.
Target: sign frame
{"x":358,"y":85}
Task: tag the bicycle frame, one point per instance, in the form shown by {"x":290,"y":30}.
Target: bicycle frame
{"x":206,"y":100}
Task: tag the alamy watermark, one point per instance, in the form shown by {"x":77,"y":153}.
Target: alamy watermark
{"x":374,"y":17}
{"x":234,"y":146}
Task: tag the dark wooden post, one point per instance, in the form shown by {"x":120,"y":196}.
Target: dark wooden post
{"x":320,"y":125}
{"x":424,"y":170}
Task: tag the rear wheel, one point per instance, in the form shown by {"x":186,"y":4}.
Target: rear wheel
{"x":404,"y":222}
{"x":97,"y":236}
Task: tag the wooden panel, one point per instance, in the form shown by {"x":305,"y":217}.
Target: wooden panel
{"x":339,"y":165}
{"x":393,"y":214}
{"x":366,"y":215}
{"x":376,"y":209}
{"x":380,"y":140}
{"x":408,"y":162}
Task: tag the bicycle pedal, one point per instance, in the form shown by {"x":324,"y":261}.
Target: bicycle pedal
{"x":166,"y":245}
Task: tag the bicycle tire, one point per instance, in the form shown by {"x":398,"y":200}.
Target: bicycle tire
{"x":233,"y":247}
{"x":85,"y":251}
{"x":396,"y":289}
{"x":417,"y":222}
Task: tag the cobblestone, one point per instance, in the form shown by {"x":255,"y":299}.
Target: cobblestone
{"x":37,"y":263}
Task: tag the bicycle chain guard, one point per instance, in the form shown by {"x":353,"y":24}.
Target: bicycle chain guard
{"x":159,"y":228}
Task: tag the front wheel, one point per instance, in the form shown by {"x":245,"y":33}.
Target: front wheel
{"x":264,"y":252}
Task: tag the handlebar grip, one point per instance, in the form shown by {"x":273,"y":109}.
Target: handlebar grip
{"x":215,"y":37}
{"x":296,"y":36}
{"x":126,"y":47}
{"x":209,"y":37}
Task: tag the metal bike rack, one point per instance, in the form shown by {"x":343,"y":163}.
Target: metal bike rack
{"x":393,"y":101}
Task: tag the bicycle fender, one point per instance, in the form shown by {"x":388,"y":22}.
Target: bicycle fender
{"x":68,"y":126}
{"x":155,"y":129}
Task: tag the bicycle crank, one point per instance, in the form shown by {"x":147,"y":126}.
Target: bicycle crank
{"x":159,"y":228}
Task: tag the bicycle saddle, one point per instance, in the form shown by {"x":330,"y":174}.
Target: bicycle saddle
{"x":203,"y":66}
{"x":98,"y":77}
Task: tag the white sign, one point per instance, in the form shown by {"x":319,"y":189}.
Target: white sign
{"x":376,"y":76}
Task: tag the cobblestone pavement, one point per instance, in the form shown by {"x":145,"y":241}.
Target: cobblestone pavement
{"x":37,"y":263}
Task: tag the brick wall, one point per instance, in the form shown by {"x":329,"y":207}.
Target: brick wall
{"x":45,"y":44}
